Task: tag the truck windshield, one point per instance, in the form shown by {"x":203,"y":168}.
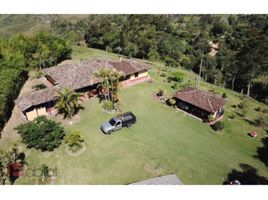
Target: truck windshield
{"x":112,"y":122}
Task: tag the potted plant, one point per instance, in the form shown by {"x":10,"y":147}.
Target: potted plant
{"x":172,"y":102}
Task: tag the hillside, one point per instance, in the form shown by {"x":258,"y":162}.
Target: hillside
{"x":30,"y":24}
{"x":163,"y":141}
{"x":176,"y":40}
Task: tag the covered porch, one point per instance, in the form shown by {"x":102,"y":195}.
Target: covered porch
{"x":198,"y":112}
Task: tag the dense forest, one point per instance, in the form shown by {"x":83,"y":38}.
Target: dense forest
{"x":239,"y":61}
{"x":18,"y":54}
{"x":226,"y":50}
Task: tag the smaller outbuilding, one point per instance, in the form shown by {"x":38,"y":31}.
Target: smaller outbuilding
{"x":200,"y":103}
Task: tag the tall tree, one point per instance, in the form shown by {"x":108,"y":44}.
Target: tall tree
{"x":253,"y":59}
{"x":225,"y":63}
{"x":201,"y":49}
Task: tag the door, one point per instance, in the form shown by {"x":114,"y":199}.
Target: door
{"x":118,"y":125}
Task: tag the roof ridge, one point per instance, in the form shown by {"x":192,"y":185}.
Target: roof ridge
{"x":187,"y":90}
{"x":210,"y":105}
{"x":207,"y":94}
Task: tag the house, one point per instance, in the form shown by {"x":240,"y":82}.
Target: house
{"x":200,"y":103}
{"x":79,"y":77}
{"x":171,"y":179}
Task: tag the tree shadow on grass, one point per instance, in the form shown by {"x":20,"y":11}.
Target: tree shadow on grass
{"x":248,"y":176}
{"x":239,"y":114}
{"x":250,"y":122}
{"x":65,"y":115}
{"x":262,"y":152}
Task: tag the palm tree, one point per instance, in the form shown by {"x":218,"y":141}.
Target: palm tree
{"x":68,"y":102}
{"x":110,"y":82}
{"x":114,"y":81}
{"x":103,"y":74}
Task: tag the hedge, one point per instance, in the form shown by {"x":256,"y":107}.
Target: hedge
{"x":11,"y":81}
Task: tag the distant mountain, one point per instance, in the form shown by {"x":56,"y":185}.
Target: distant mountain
{"x":30,"y":24}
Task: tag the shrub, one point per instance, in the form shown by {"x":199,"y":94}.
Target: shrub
{"x":232,"y":116}
{"x":211,"y":118}
{"x":187,"y":85}
{"x":164,"y":70}
{"x":258,"y":109}
{"x":218,"y":126}
{"x":170,"y":62}
{"x":175,"y":86}
{"x":243,"y":113}
{"x":41,"y":133}
{"x":234,"y":106}
{"x":74,"y":139}
{"x":265,"y":111}
{"x":243,"y":104}
{"x":163,"y":75}
{"x":176,"y":76}
{"x":259,"y":121}
{"x":172,"y":102}
{"x":224,"y":95}
{"x":186,"y":62}
{"x":107,"y":105}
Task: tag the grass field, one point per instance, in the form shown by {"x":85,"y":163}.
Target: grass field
{"x":163,"y":140}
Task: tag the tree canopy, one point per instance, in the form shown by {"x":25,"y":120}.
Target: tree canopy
{"x":42,"y":133}
{"x":18,"y":54}
{"x":68,"y":102}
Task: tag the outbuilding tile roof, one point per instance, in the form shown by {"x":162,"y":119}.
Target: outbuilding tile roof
{"x":201,"y":99}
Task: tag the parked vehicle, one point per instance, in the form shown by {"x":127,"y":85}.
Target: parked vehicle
{"x":116,"y":123}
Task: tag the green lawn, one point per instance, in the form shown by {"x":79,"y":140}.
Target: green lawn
{"x":163,"y":141}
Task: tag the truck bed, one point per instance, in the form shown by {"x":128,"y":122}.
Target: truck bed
{"x":127,"y":117}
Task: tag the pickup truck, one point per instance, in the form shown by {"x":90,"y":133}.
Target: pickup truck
{"x":116,"y":123}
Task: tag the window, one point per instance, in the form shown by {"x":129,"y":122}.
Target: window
{"x":112,"y":122}
{"x":136,"y":74}
{"x":118,"y":123}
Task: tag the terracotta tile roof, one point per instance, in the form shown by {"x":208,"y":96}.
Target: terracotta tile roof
{"x":128,"y":67}
{"x":75,"y":76}
{"x":80,"y":74}
{"x":36,"y":98}
{"x":201,"y":99}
